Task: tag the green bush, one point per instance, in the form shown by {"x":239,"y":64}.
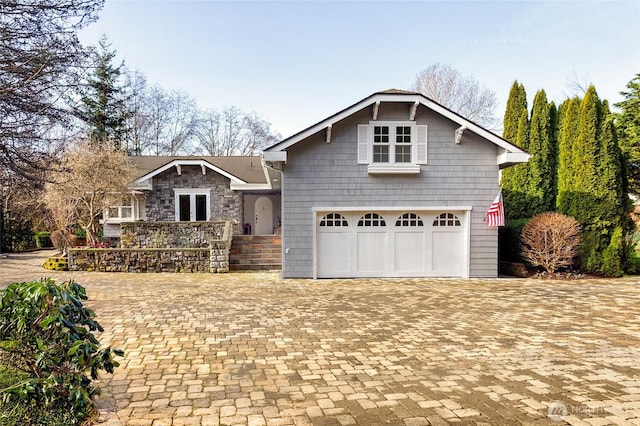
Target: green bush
{"x":16,"y":236}
{"x":509,"y":248}
{"x":46,"y":337}
{"x":614,"y":255}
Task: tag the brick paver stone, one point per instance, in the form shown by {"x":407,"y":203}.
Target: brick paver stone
{"x":251,"y":349}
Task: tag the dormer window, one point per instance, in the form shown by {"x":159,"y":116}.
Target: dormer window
{"x":392,"y":147}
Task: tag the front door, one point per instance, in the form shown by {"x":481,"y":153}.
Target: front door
{"x":263,"y":216}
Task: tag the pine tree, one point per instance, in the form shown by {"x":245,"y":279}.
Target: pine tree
{"x":540,"y":185}
{"x":103,"y":103}
{"x":516,"y":131}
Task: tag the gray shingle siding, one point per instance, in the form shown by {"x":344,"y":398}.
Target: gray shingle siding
{"x":320,"y":174}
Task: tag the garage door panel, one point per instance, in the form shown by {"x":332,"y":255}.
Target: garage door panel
{"x":446,"y":253}
{"x":334,"y":254}
{"x":409,"y":256}
{"x":391,"y":244}
{"x":371,"y":252}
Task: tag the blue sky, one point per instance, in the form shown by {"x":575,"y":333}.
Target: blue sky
{"x":295,"y":63}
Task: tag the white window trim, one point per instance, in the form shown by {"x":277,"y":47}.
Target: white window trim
{"x":119,"y":218}
{"x":418,"y":148}
{"x":192,"y":192}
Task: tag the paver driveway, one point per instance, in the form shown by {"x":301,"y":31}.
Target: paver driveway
{"x":248,"y":348}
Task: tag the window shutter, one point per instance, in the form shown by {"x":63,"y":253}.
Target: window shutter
{"x":363,"y":144}
{"x":421,"y":145}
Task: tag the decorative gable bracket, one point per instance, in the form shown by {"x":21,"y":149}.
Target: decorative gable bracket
{"x":459,"y":131}
{"x":414,"y":109}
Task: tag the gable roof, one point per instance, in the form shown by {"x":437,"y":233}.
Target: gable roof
{"x":514,"y":154}
{"x":239,"y":169}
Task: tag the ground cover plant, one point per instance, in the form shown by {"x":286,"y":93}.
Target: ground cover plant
{"x":49,"y":356}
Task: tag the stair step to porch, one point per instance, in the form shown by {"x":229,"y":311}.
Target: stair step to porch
{"x":255,"y":252}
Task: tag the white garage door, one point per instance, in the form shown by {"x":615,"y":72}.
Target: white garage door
{"x":391,"y":244}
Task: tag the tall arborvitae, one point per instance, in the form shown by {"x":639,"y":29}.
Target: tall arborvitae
{"x":585,"y":157}
{"x":540,"y":185}
{"x":614,"y":204}
{"x":567,"y":135}
{"x":553,"y":122}
{"x":516,"y":131}
{"x":628,"y":126}
{"x":598,"y":199}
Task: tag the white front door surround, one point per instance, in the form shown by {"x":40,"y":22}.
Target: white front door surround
{"x":391,"y":242}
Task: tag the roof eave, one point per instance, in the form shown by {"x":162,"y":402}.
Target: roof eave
{"x":393,"y":97}
{"x":201,"y":163}
{"x":507,"y":159}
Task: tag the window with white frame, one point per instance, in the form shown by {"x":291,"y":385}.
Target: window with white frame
{"x":121,"y":212}
{"x":192,"y":204}
{"x":392,"y":147}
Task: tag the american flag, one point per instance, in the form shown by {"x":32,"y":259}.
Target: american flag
{"x":495,"y":215}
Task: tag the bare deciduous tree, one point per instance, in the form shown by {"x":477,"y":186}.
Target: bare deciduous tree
{"x":90,"y":179}
{"x":462,"y":94}
{"x":233,"y":132}
{"x":162,"y":122}
{"x":550,"y":240}
{"x":39,"y":49}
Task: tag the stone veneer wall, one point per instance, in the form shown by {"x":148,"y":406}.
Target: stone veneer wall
{"x":170,"y":234}
{"x":205,"y":248}
{"x":160,"y":204}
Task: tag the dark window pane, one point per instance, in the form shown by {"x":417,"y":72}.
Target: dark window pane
{"x":184,"y":208}
{"x":201,"y":207}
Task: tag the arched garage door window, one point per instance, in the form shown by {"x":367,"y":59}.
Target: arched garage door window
{"x":409,"y":219}
{"x":371,"y":219}
{"x":332,"y":220}
{"x":447,"y":219}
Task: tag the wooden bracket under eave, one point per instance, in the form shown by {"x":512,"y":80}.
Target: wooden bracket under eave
{"x":204,"y":169}
{"x":414,"y":109}
{"x":329,"y":133}
{"x":459,"y":131}
{"x":376,"y":107}
{"x":179,"y":169}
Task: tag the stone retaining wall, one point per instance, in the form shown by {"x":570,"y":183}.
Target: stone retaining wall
{"x":212,"y":241}
{"x":171,"y":234}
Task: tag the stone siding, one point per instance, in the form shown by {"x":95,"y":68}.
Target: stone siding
{"x":170,"y":234}
{"x":225,"y":203}
{"x":162,"y":247}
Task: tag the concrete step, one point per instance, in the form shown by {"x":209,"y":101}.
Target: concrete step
{"x":255,"y":252}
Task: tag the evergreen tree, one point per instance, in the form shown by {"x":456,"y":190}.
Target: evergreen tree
{"x":542,"y":164}
{"x":586,"y":156}
{"x":628,"y":125}
{"x":516,"y":131}
{"x":614,"y":202}
{"x":103,"y":103}
{"x":598,"y":191}
{"x":516,"y":107}
{"x":567,"y":135}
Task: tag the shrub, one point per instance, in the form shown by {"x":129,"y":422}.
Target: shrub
{"x":46,"y":335}
{"x":550,"y":240}
{"x":614,"y":254}
{"x":509,"y":240}
{"x":16,"y":236}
